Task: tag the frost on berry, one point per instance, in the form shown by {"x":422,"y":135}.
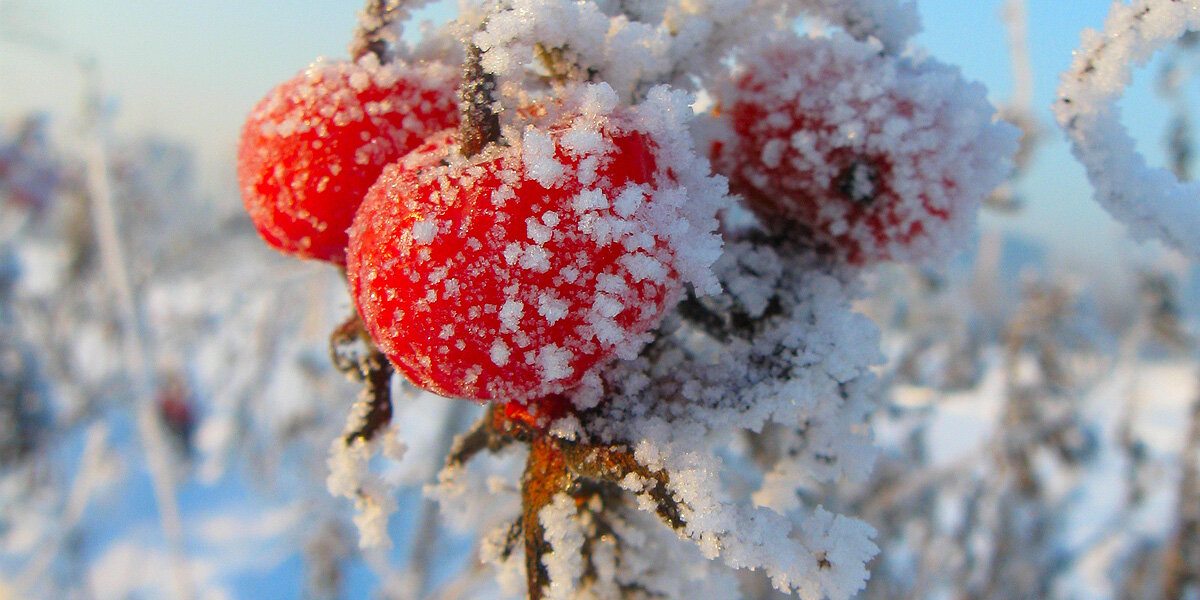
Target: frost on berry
{"x":314,"y":145}
{"x":512,"y":274}
{"x":892,"y":22}
{"x":877,"y":158}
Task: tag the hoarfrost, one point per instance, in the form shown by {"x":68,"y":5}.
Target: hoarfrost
{"x":1151,"y":202}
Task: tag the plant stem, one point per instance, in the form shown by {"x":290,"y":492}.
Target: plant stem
{"x":480,"y":124}
{"x":545,"y":476}
{"x":134,"y":341}
{"x":372,"y":36}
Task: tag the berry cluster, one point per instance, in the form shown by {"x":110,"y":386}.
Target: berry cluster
{"x":513,"y":273}
{"x":567,"y":214}
{"x":507,"y":275}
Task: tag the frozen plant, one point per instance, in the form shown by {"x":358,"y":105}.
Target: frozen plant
{"x":563,"y":250}
{"x":1153,"y":202}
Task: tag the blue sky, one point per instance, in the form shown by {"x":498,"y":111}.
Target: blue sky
{"x":192,"y":70}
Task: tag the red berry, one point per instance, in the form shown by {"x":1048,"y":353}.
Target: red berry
{"x":314,"y":145}
{"x":877,"y":158}
{"x":512,"y":274}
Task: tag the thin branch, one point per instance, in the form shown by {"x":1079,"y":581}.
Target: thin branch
{"x":613,"y":463}
{"x":83,"y":487}
{"x":421,"y":553}
{"x":480,"y":124}
{"x":368,"y":365}
{"x":485,"y":434}
{"x":545,"y":476}
{"x":372,"y":35}
{"x":1183,"y":559}
{"x":134,"y":341}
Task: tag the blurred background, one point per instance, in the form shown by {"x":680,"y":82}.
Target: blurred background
{"x":167,"y":401}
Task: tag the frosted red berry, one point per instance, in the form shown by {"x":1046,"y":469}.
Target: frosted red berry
{"x":876,"y":158}
{"x":510,"y":275}
{"x":314,"y":145}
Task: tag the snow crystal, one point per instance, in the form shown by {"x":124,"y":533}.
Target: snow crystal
{"x":642,"y":266}
{"x":499,"y":353}
{"x":581,"y":140}
{"x":628,"y":200}
{"x":589,"y":200}
{"x":564,"y":563}
{"x":359,"y":80}
{"x":552,"y":308}
{"x":555,"y":362}
{"x":349,"y":477}
{"x":539,"y":233}
{"x":535,"y":258}
{"x":510,"y":314}
{"x":540,"y":164}
{"x":423,"y":231}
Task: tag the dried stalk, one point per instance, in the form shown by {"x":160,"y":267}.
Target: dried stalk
{"x":372,"y":35}
{"x":480,"y":123}
{"x":133,"y":336}
{"x":372,"y":368}
{"x":1182,"y":568}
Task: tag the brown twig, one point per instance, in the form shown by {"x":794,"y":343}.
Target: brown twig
{"x":480,"y":123}
{"x":1182,"y":571}
{"x":368,"y":365}
{"x":613,"y":463}
{"x":555,"y":465}
{"x":545,"y":476}
{"x":488,"y":433}
{"x":559,"y":67}
{"x":372,"y":36}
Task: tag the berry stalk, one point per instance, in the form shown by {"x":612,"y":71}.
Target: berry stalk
{"x":372,"y":35}
{"x":369,"y":366}
{"x":480,"y":124}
